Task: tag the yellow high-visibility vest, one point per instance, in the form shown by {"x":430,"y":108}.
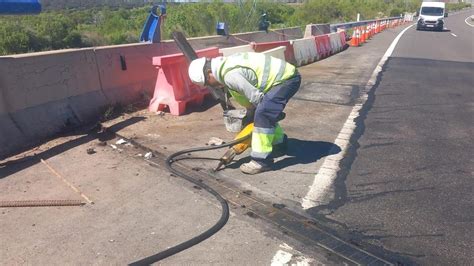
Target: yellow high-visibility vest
{"x":270,"y":71}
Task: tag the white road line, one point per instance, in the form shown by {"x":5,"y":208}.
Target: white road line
{"x":281,"y":258}
{"x":454,"y":35}
{"x":472,"y":25}
{"x":322,"y":189}
{"x":284,"y":257}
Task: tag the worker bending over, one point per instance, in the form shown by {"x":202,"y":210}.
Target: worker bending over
{"x":256,"y":81}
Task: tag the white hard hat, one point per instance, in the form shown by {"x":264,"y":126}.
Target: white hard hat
{"x":196,"y":71}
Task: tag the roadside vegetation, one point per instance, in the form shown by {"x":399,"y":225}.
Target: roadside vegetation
{"x":456,"y":6}
{"x":75,"y":24}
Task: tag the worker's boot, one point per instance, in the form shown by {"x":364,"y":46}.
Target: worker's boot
{"x":253,"y":167}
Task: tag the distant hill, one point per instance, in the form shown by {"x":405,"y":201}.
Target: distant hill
{"x":85,"y":4}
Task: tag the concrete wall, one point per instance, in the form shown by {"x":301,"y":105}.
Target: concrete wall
{"x":42,"y":94}
{"x":316,"y":29}
{"x":236,"y":49}
{"x":278,"y":52}
{"x":127,"y":73}
{"x":246,"y":38}
{"x":45,"y":93}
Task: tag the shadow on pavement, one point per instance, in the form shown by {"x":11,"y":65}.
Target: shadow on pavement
{"x":13,"y":166}
{"x":299,"y":152}
{"x":305,"y":152}
{"x":434,"y":30}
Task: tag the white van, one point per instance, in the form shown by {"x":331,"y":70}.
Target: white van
{"x":431,"y":16}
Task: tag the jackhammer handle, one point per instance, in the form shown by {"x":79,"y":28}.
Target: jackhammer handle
{"x":184,"y":46}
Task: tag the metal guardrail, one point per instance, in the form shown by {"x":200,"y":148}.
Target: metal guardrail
{"x":348,"y":25}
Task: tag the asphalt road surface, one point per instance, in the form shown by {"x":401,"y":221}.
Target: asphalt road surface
{"x":408,"y":184}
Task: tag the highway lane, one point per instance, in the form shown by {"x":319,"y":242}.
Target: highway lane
{"x":407,"y":186}
{"x":455,"y":43}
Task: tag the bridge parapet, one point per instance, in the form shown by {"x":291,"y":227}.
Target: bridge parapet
{"x":45,"y":93}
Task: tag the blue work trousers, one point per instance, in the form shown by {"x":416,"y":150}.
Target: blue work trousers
{"x":266,"y":118}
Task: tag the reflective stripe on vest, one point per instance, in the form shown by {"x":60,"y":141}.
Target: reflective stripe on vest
{"x":269,"y":71}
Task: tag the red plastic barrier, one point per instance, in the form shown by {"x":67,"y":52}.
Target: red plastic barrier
{"x":264,"y":46}
{"x":173,"y":87}
{"x":323,"y":45}
{"x":320,"y":48}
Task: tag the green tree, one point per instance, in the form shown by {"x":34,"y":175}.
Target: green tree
{"x":82,"y":23}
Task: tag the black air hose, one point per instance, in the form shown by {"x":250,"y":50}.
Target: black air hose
{"x":211,"y":231}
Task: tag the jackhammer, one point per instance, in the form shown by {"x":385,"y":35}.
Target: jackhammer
{"x":245,"y":134}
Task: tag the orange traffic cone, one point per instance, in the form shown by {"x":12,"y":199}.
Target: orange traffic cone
{"x":359,"y":36}
{"x":362,"y":35}
{"x":355,"y":38}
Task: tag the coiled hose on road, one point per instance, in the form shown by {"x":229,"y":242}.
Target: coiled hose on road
{"x":211,"y":231}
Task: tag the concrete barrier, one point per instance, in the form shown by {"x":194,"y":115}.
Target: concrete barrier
{"x":271,"y":36}
{"x":316,"y":29}
{"x":45,"y":94}
{"x":278,"y":52}
{"x":236,"y":49}
{"x":42,"y":94}
{"x":126,"y":72}
{"x":305,"y":51}
{"x":289,"y":52}
{"x":244,"y":38}
{"x":10,"y":132}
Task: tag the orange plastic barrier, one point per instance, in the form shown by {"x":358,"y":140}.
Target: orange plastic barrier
{"x":173,"y":87}
{"x":289,"y":52}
